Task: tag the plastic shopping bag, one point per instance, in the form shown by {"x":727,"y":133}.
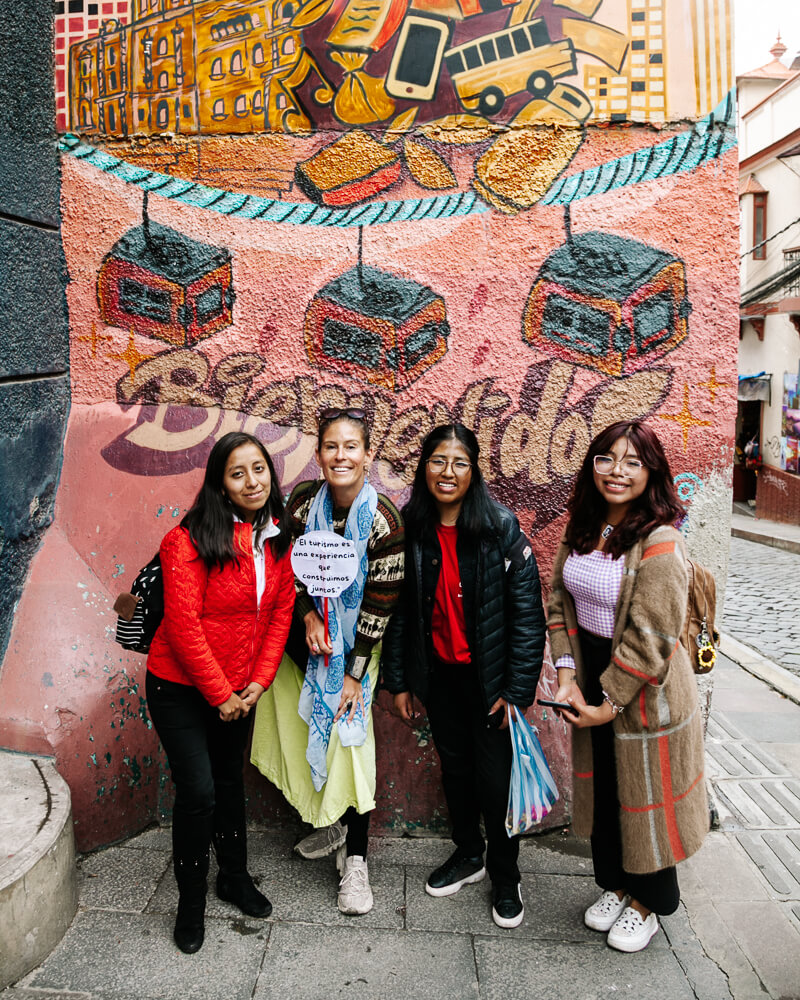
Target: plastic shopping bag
{"x":532,"y":792}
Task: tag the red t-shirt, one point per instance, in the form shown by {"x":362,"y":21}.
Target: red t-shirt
{"x":449,"y":628}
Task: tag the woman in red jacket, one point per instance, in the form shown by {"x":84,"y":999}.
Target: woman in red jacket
{"x":228,"y":598}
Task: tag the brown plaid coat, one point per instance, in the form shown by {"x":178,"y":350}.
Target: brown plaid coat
{"x":659,"y":737}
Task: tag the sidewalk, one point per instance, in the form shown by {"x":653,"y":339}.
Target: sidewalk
{"x":736,"y":934}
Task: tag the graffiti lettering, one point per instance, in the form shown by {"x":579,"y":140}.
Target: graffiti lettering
{"x":529,"y":452}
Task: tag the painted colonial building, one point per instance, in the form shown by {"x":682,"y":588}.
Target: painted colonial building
{"x":768,"y":425}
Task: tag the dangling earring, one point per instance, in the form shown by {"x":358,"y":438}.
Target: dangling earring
{"x":366,"y":473}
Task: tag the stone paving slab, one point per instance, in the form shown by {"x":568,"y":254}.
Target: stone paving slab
{"x":122,"y":956}
{"x":516,"y":970}
{"x":318,"y":963}
{"x":770,"y":943}
{"x":120,"y":879}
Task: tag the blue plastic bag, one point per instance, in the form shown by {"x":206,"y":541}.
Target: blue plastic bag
{"x":532,"y":792}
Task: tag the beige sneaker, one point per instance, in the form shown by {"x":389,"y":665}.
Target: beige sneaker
{"x":322,"y":842}
{"x":355,"y":895}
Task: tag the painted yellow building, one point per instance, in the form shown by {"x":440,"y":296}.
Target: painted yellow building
{"x":185,"y":67}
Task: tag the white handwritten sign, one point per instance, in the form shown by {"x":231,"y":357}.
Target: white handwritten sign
{"x":325,"y":562}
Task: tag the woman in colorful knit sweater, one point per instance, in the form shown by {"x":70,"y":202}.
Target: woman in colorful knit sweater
{"x":313,"y":735}
{"x":617,"y":604}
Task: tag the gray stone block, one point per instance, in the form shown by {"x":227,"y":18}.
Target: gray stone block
{"x":35,"y":333}
{"x":29,"y":168}
{"x":149,"y":966}
{"x":509,"y":968}
{"x":120,"y":879}
{"x":316,"y":963}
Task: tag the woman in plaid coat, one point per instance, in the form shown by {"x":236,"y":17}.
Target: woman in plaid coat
{"x":617,"y":603}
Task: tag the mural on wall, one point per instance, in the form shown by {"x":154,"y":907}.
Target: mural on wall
{"x":518,"y":215}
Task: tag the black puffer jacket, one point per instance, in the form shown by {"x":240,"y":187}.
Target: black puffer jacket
{"x":502,"y":609}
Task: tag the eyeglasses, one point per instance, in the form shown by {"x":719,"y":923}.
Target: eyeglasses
{"x":459,"y":466}
{"x":629,"y":467}
{"x":335,"y":413}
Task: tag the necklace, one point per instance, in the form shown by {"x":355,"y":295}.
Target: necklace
{"x":607,"y":530}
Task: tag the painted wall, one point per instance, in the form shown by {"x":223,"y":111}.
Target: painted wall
{"x":536,"y":264}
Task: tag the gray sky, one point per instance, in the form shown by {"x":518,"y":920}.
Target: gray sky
{"x":757,"y":23}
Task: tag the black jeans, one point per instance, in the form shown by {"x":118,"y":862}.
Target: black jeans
{"x":206,"y":758}
{"x":658,"y":891}
{"x":476,"y":768}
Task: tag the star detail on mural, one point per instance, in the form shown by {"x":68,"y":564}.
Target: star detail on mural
{"x":94,"y":338}
{"x":685,"y":417}
{"x":131,"y":355}
{"x":712,"y":384}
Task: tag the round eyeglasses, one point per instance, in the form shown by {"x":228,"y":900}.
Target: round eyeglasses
{"x":628,"y":467}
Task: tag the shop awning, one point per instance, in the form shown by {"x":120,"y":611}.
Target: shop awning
{"x":755,"y":387}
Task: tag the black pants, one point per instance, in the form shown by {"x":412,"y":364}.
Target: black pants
{"x":658,"y":891}
{"x":476,"y":768}
{"x":206,"y":758}
{"x":357,"y":831}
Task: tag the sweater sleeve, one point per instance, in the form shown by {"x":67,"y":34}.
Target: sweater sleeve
{"x":185,"y":580}
{"x":386,"y":553}
{"x":652,"y":631}
{"x":269,"y":656}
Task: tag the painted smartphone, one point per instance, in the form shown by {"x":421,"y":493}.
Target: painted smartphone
{"x":417,"y":59}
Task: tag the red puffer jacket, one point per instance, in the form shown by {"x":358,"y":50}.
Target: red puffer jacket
{"x":213,"y":636}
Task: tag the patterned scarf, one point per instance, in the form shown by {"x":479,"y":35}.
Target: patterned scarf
{"x":322,"y":687}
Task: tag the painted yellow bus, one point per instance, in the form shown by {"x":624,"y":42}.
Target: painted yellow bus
{"x":490,"y":69}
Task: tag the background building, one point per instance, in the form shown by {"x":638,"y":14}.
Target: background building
{"x":768,"y":420}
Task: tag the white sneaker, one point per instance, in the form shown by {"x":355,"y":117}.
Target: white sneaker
{"x":355,"y":895}
{"x":632,"y":932}
{"x":602,"y":915}
{"x":322,"y":842}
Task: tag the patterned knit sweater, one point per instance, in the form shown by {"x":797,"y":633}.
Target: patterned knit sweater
{"x":386,"y":554}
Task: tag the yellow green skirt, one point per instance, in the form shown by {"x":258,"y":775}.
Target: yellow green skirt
{"x":280,"y":738}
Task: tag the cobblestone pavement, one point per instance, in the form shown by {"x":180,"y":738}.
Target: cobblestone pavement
{"x":762,"y":601}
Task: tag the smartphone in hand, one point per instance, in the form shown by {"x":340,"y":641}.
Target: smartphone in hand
{"x":562,"y":706}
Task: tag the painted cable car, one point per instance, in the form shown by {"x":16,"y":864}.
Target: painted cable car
{"x":377,"y":327}
{"x":163,"y":284}
{"x":608,"y":302}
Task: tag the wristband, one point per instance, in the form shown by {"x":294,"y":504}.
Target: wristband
{"x":618,"y":709}
{"x":356,"y":666}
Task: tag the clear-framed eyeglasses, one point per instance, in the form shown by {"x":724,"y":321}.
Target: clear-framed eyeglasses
{"x":628,"y":467}
{"x":460,"y":466}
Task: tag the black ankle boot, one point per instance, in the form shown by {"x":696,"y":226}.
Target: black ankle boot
{"x":190,"y":928}
{"x":240,"y":890}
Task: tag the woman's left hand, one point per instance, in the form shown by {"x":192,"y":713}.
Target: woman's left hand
{"x":352,"y":697}
{"x":500,"y":705}
{"x":252,"y":693}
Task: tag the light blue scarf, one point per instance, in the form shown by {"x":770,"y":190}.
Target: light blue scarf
{"x":322,"y":687}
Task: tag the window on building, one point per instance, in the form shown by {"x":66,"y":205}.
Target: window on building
{"x":187,"y":111}
{"x":217,"y":71}
{"x":258,"y":102}
{"x":141,"y":114}
{"x":240,"y":106}
{"x":111,"y":56}
{"x":288,"y":46}
{"x":112,"y":80}
{"x":236,"y":62}
{"x":112,"y":118}
{"x":163,"y":80}
{"x":139,"y":299}
{"x":258,"y":55}
{"x":759,"y":225}
{"x":208,"y":304}
{"x":161,"y":47}
{"x":218,"y":111}
{"x":162,"y":114}
{"x":792,"y":257}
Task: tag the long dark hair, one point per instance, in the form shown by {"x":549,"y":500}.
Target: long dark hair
{"x":657,"y":505}
{"x":477,"y":516}
{"x":210,"y":519}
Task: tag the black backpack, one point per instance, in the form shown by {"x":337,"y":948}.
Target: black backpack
{"x":140,"y":612}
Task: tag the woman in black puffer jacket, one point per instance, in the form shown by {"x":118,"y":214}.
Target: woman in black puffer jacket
{"x":467,"y":639}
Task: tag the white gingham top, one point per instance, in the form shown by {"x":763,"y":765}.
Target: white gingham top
{"x":594,"y":581}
